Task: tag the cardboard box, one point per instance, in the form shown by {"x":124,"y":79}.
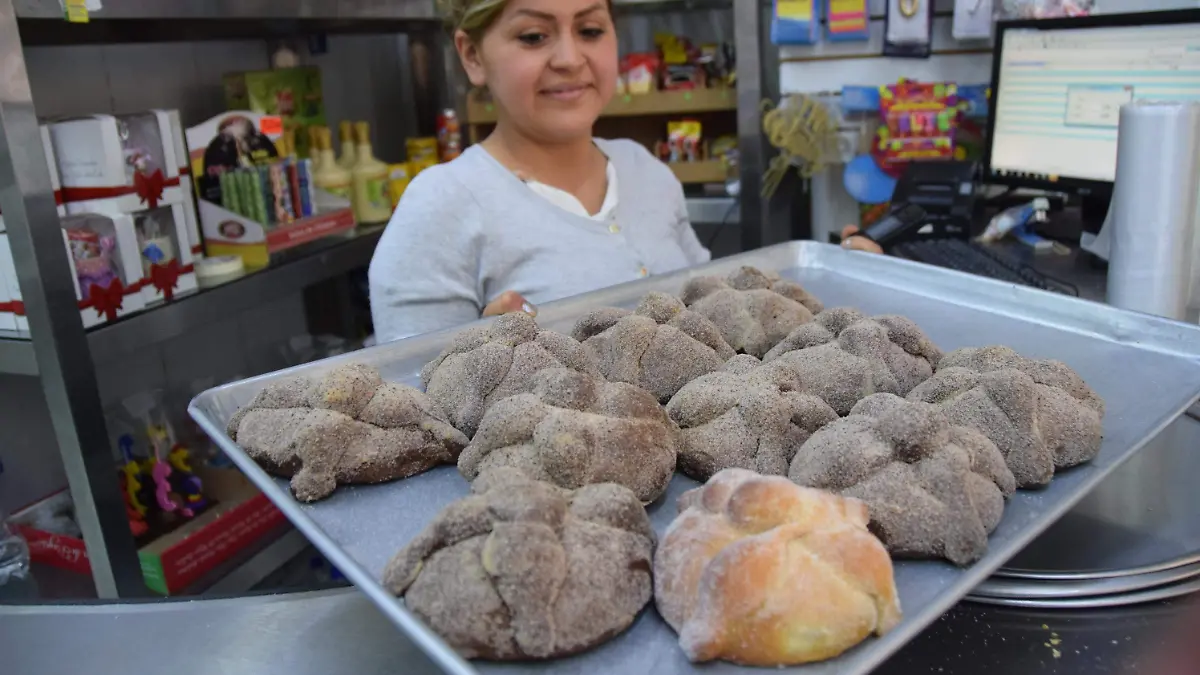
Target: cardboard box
{"x":165,"y":256}
{"x":177,"y":156}
{"x":235,"y":138}
{"x":120,"y":158}
{"x":8,"y":303}
{"x":293,"y":94}
{"x":240,"y":517}
{"x":13,"y":312}
{"x":100,"y":303}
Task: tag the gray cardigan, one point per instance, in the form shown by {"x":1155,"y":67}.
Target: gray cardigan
{"x":468,"y":230}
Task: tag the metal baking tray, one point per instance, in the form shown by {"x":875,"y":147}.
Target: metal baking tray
{"x":1146,"y":368}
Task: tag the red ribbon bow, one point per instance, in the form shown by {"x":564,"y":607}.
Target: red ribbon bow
{"x":106,"y":301}
{"x":166,"y":278}
{"x":149,"y":187}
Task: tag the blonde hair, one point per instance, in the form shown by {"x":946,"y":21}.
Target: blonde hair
{"x":474,"y":17}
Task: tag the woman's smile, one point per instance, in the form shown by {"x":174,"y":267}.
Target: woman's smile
{"x":567,"y":92}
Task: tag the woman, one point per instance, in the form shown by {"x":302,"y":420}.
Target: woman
{"x":540,"y":209}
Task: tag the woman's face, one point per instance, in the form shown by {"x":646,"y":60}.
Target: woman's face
{"x":551,"y":65}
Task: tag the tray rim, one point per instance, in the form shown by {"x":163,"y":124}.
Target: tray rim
{"x":1073,"y":314}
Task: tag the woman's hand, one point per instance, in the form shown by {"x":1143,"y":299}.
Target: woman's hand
{"x":852,"y":240}
{"x":509,"y":301}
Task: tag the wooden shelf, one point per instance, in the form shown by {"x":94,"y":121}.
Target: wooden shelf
{"x":708,"y":171}
{"x":635,"y":105}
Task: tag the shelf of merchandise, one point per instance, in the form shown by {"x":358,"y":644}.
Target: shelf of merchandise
{"x":313,"y":264}
{"x":66,"y":355}
{"x":480,"y":111}
{"x":237,"y":9}
{"x":16,"y":355}
{"x":707,"y":171}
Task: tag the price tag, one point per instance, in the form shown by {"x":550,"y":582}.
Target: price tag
{"x":76,"y":11}
{"x":271,"y":125}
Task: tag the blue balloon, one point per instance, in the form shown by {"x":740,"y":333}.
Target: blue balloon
{"x":866,"y":182}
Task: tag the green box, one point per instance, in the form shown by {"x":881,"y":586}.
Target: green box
{"x":294,"y":94}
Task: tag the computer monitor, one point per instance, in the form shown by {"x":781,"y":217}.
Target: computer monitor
{"x":1058,"y":86}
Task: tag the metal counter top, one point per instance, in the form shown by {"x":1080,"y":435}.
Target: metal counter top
{"x":341,"y":632}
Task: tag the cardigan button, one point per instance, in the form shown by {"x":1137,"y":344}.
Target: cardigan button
{"x":614,"y":228}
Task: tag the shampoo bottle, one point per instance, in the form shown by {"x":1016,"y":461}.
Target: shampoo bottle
{"x":372,"y":204}
{"x":346,"y":139}
{"x":329,"y":176}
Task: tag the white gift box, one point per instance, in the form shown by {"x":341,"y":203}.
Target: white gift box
{"x":10,"y":307}
{"x":160,"y":240}
{"x":176,"y":152}
{"x":119,"y":158}
{"x":123,"y":295}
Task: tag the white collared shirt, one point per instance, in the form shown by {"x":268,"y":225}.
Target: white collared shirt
{"x":571,"y":204}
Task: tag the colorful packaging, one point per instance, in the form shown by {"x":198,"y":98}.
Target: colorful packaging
{"x":294,"y":94}
{"x":683,"y":140}
{"x":449,"y":135}
{"x":399,"y":176}
{"x":640,"y":72}
{"x":421,"y":149}
{"x":795,"y":22}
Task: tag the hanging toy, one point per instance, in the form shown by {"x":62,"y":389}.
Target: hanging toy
{"x":804,"y":132}
{"x":161,"y":472}
{"x":183,"y":480}
{"x":131,"y":487}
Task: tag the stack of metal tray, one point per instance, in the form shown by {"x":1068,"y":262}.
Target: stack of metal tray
{"x":1146,"y":368}
{"x":1134,"y":539}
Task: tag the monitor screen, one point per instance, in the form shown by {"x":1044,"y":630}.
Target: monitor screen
{"x":1058,"y":94}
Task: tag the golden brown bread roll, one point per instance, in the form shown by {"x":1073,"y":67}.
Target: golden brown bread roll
{"x":762,"y":572}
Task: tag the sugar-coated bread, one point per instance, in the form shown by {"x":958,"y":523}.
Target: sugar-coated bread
{"x":486,"y":364}
{"x":522,"y":569}
{"x":753,"y":310}
{"x":660,"y":346}
{"x":573,"y":430}
{"x":1040,"y":413}
{"x":347,"y":427}
{"x":760,"y":571}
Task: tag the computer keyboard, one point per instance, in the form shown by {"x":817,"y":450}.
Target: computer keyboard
{"x":968,"y":256}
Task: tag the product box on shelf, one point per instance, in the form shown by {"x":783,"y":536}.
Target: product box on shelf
{"x":12,"y":312}
{"x":239,"y":517}
{"x":52,"y":164}
{"x":121,"y":158}
{"x":105,"y":265}
{"x":176,"y":155}
{"x":164,"y":252}
{"x":8,"y":302}
{"x":292,"y":94}
{"x":239,"y":217}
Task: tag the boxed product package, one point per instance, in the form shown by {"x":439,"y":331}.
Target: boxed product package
{"x":12,"y":313}
{"x":239,"y":517}
{"x":120,"y":158}
{"x":176,"y":157}
{"x":103,"y":253}
{"x":52,"y":164}
{"x":164,"y":254}
{"x":10,"y":306}
{"x":254,"y":203}
{"x":292,"y":94}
